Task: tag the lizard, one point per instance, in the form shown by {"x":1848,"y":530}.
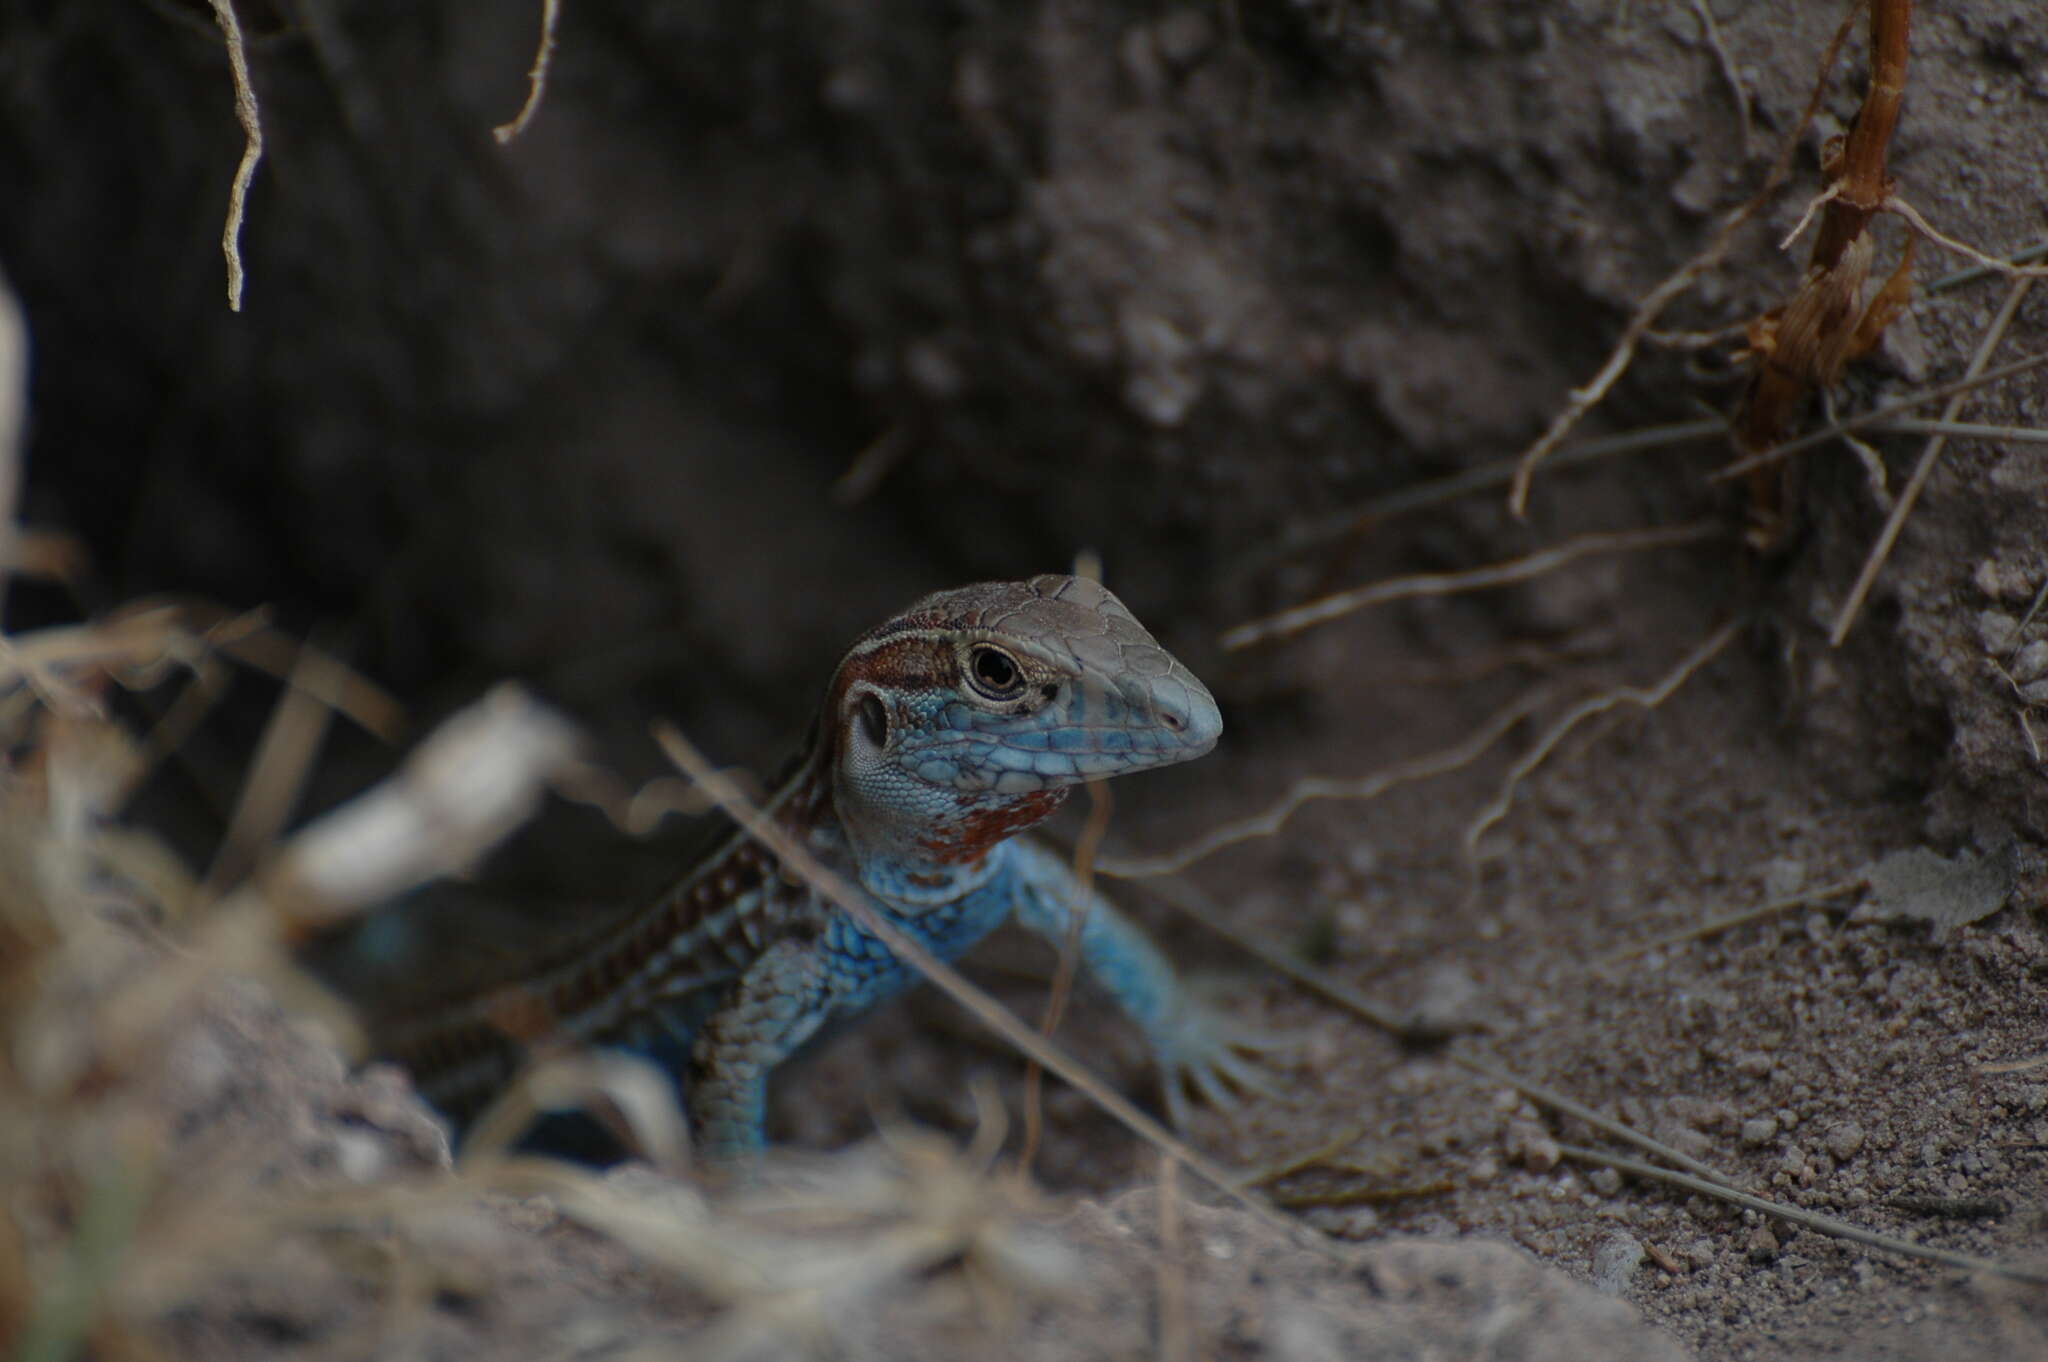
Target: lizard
{"x":944,"y":734}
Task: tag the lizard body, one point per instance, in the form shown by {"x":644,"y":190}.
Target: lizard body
{"x":944,"y":733}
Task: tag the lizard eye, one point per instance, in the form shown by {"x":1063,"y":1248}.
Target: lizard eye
{"x":994,"y":673}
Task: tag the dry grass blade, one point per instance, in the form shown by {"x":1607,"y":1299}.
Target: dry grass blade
{"x":1642,"y":697}
{"x":1909,"y":496}
{"x":797,"y":859}
{"x":461,"y":792}
{"x":1324,"y":609}
{"x":45,"y":660}
{"x":636,"y":1089}
{"x":65,"y":1316}
{"x":2037,"y":251}
{"x":2033,"y":610}
{"x":1878,"y":416}
{"x":788,"y":1252}
{"x":277,"y":774}
{"x":1336,"y":991}
{"x":1820,"y":1224}
{"x":1100,"y":803}
{"x":247,"y":114}
{"x":251,"y":640}
{"x":1726,"y":62}
{"x":1274,"y":817}
{"x":1176,"y":1327}
{"x":871,"y":465}
{"x":1586,"y":398}
{"x":537,"y":78}
{"x":1438,"y":491}
{"x":13,"y":420}
{"x":2013,"y":268}
{"x":1968,"y":430}
{"x":1715,"y":925}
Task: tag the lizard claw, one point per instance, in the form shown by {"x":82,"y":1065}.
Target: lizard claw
{"x":1216,"y":1058}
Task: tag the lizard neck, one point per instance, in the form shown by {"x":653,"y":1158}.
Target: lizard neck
{"x":917,"y":852}
{"x":911,"y":843}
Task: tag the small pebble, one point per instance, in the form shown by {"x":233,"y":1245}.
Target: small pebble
{"x":1531,"y":1146}
{"x":1758,"y":1130}
{"x":1605,"y":1181}
{"x":1844,"y":1138}
{"x":1615,"y":1261}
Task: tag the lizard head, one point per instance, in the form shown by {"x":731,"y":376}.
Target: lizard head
{"x":969,"y":716}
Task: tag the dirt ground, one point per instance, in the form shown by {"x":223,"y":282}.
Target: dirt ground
{"x":781,"y":314}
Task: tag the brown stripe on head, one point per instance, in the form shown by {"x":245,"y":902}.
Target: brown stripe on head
{"x":902,"y":661}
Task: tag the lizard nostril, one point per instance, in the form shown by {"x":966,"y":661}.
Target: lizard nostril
{"x":1177,"y":722}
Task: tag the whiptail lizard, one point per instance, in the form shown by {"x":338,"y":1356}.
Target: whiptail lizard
{"x":944,"y":733}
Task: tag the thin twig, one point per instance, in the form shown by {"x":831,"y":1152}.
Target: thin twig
{"x":1196,"y":905}
{"x":1813,"y":205}
{"x":247,"y":115}
{"x":1607,"y":1125}
{"x":1322,"y":1152}
{"x":280,"y":768}
{"x":1820,"y":1224}
{"x":1100,"y":803}
{"x":872,"y":464}
{"x":1176,"y":1334}
{"x":1877,"y":416}
{"x":1715,"y":925}
{"x":1275,"y":816}
{"x":1968,"y":430}
{"x":1586,"y":398}
{"x":1261,"y":947}
{"x":2033,"y":609}
{"x":1644,"y":697}
{"x":1292,"y":621}
{"x":2037,"y":251}
{"x":797,"y":859}
{"x":537,"y":78}
{"x":1909,"y":495}
{"x":1726,"y":61}
{"x":1990,"y":264}
{"x":1435,"y":492}
{"x":13,"y":422}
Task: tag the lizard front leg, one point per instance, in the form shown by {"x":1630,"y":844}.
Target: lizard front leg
{"x":777,"y":1005}
{"x":1193,"y":1044}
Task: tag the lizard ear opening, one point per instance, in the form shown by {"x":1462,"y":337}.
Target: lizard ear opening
{"x":874,"y":720}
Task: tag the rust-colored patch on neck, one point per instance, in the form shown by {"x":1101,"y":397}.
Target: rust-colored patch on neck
{"x":958,"y":841}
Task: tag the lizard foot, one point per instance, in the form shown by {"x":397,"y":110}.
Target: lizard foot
{"x":1213,"y":1056}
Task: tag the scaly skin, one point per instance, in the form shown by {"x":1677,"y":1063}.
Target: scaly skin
{"x":945,"y":733}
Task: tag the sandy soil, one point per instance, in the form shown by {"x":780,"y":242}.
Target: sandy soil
{"x":1170,"y":284}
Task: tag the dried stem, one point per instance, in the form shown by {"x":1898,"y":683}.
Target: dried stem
{"x":248,"y":116}
{"x":1326,"y":608}
{"x":1585,"y":399}
{"x":1820,"y":1224}
{"x":1100,"y":803}
{"x":1714,"y":926}
{"x":1909,"y":495}
{"x":1372,"y":786}
{"x":1879,"y":416}
{"x":1643,"y":697}
{"x":537,"y":78}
